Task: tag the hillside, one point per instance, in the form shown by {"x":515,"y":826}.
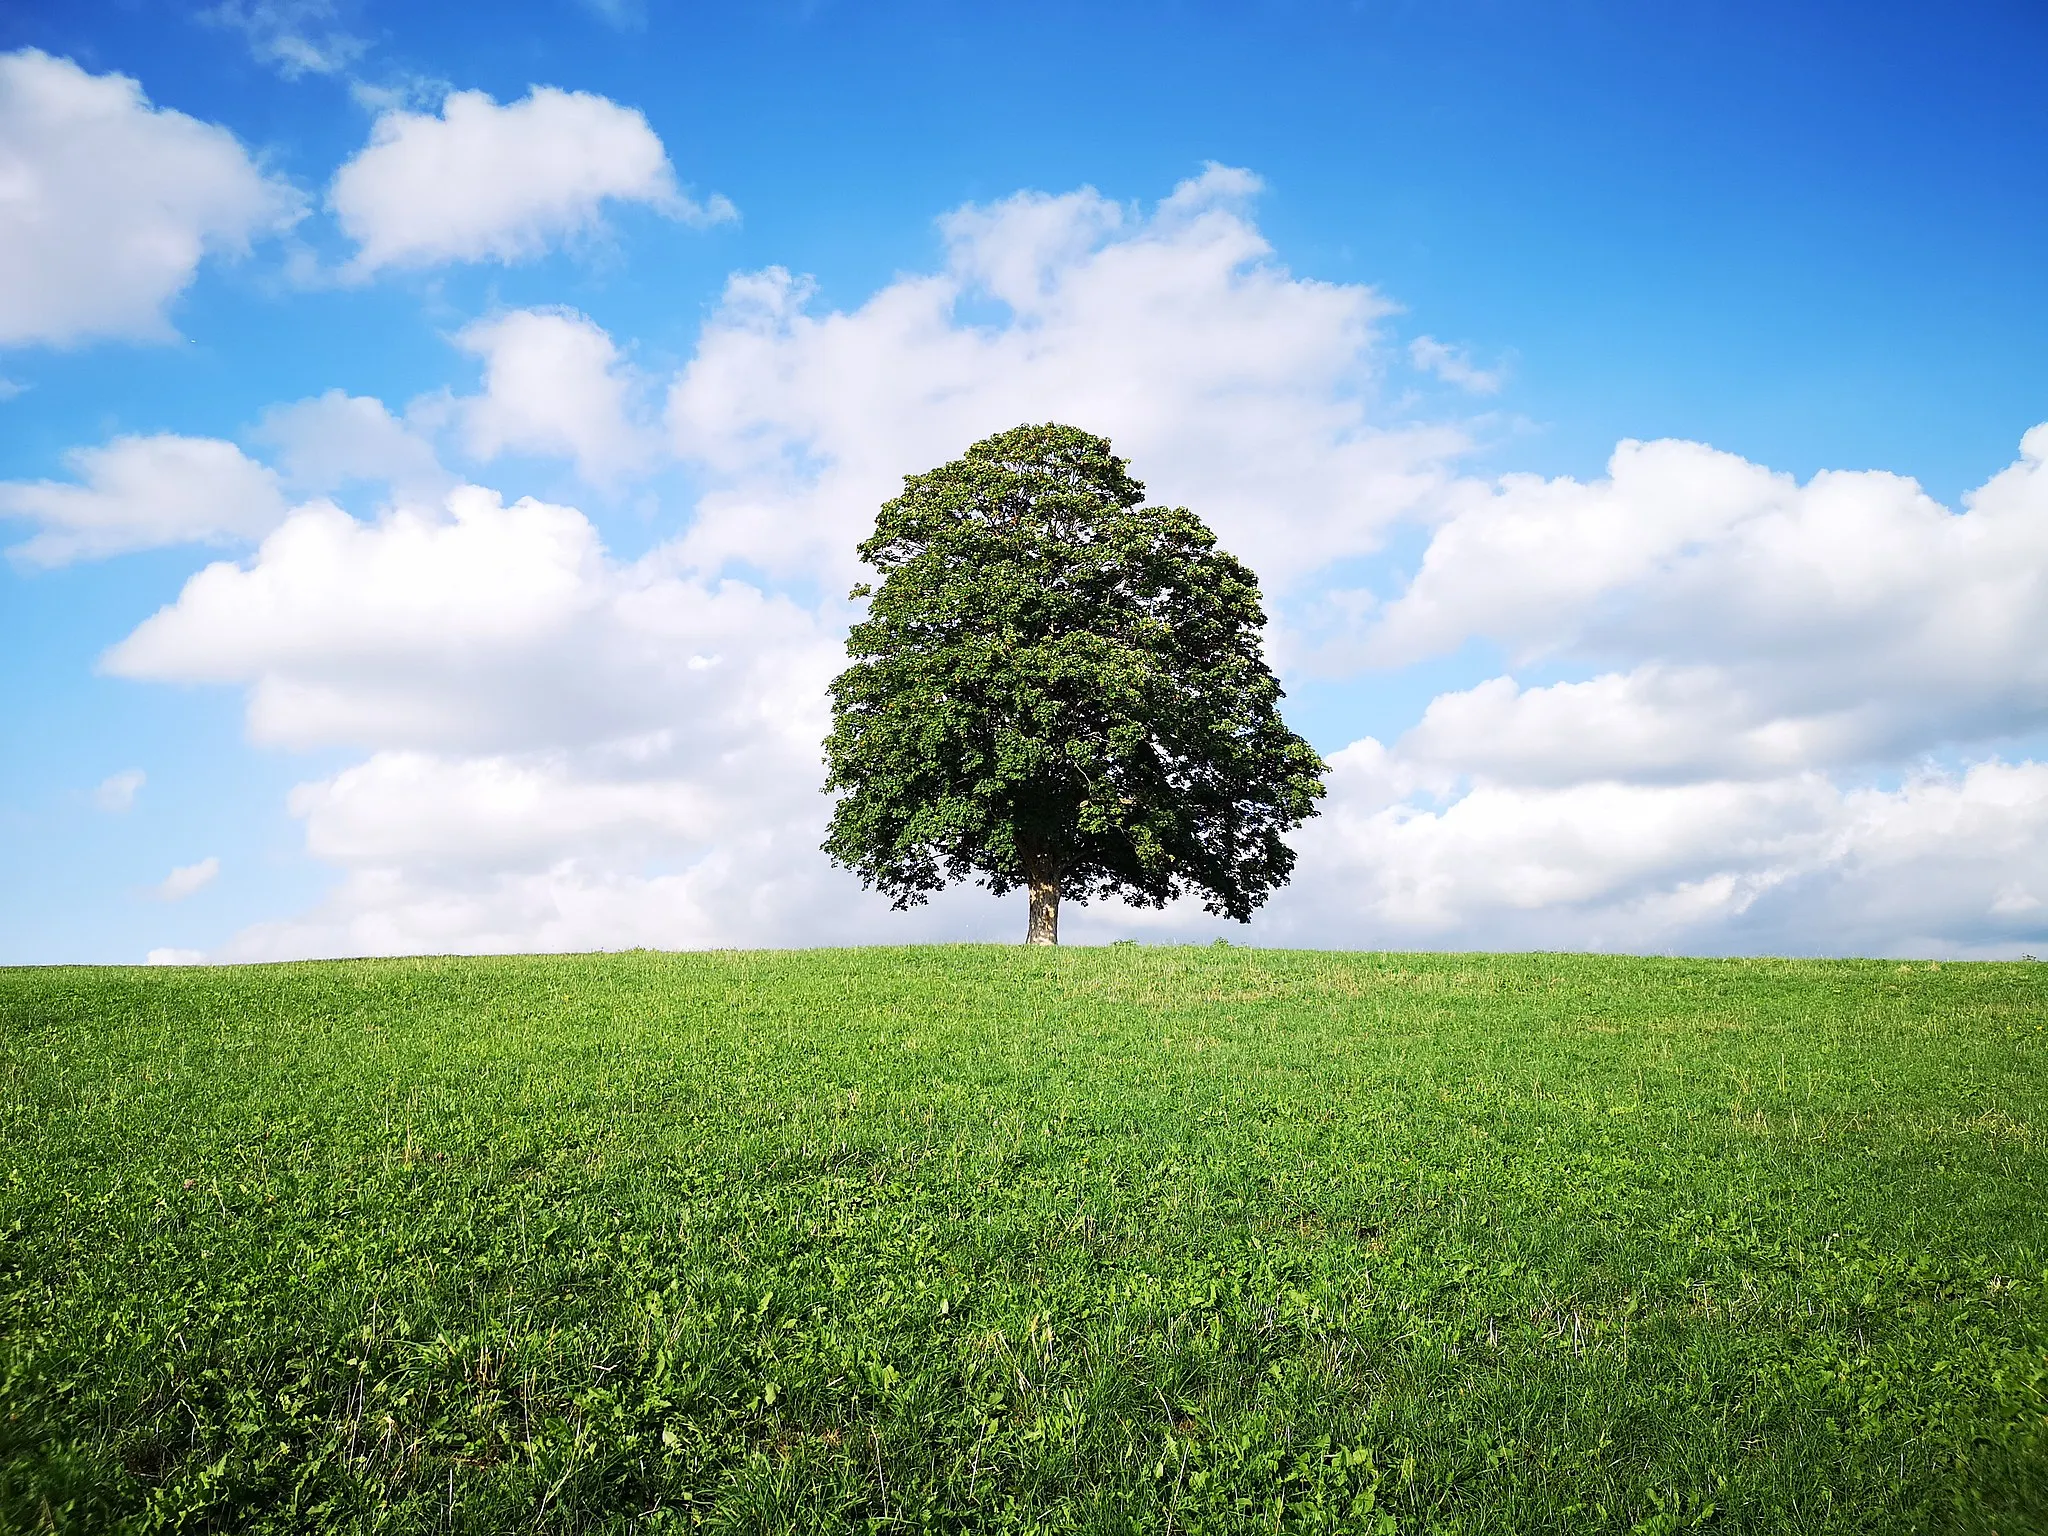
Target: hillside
{"x":994,"y":1239}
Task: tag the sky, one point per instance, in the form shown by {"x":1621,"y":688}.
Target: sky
{"x":433,"y":444}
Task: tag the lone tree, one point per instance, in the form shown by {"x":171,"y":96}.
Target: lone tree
{"x":1059,"y":687}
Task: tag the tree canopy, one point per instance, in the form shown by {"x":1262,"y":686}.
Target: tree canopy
{"x":1059,"y":687}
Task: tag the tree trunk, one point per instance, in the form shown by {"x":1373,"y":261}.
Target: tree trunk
{"x":1042,"y":875}
{"x":1045,"y":913}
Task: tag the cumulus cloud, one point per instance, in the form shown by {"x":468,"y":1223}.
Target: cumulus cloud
{"x":1756,"y":772}
{"x":1760,"y":623}
{"x":554,"y":383}
{"x":566,"y":850}
{"x":1658,"y":550}
{"x":144,"y":493}
{"x":108,"y":205}
{"x":1945,"y":863}
{"x":566,"y":750}
{"x":477,"y":181}
{"x":117,"y":791}
{"x":171,"y":956}
{"x":420,"y":808}
{"x":1234,"y":386}
{"x":293,"y":37}
{"x":188,"y":880}
{"x":1656,"y":723}
{"x":482,"y":627}
{"x":1729,"y":697}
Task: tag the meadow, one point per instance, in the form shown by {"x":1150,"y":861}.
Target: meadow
{"x":991,"y":1239}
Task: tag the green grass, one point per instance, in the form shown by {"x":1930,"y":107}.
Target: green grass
{"x":992,"y":1239}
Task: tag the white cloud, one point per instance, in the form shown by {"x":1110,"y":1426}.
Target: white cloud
{"x":572,"y":850}
{"x":1592,"y":848}
{"x":1454,"y":365}
{"x":188,"y":880}
{"x":566,"y":751}
{"x":293,"y":37}
{"x":1946,"y":863}
{"x":484,"y":628}
{"x":117,"y":791}
{"x":688,"y":837}
{"x":757,"y":887}
{"x":1233,"y":386}
{"x":1761,"y":624}
{"x":553,"y":384}
{"x":1784,"y":650}
{"x":176,"y":957}
{"x":338,"y":439}
{"x":1656,"y":723}
{"x":1656,"y":552}
{"x":145,"y":493}
{"x":483,"y":182}
{"x":419,"y":808}
{"x":1729,"y":687}
{"x":108,"y":205}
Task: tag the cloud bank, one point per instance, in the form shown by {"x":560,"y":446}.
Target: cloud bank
{"x":1731,"y":711}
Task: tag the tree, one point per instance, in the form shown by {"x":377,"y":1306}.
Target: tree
{"x":1061,"y":688}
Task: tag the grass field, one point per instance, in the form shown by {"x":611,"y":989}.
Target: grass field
{"x":1151,"y":1239}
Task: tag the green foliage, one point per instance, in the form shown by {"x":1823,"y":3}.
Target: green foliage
{"x":994,"y":1239}
{"x":1057,"y":680}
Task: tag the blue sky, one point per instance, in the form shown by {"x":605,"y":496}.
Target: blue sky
{"x":1811,"y":238}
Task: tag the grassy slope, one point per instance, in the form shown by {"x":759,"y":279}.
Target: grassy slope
{"x":995,"y":1239}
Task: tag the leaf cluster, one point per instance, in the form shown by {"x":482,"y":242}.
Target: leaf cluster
{"x":1055,"y":678}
